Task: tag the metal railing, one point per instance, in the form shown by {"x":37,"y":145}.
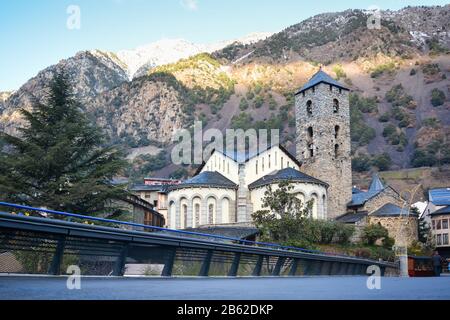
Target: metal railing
{"x":47,"y":245}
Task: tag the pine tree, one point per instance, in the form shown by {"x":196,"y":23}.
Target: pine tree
{"x":60,"y":160}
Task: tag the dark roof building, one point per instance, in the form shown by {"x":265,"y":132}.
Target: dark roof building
{"x":287,"y":174}
{"x":206,"y":179}
{"x":442,"y":211}
{"x":359,"y":198}
{"x":391,"y":210}
{"x":318,"y":78}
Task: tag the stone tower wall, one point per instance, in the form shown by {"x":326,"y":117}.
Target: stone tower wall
{"x":324,"y":164}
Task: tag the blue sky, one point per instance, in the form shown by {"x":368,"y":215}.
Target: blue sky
{"x":34,"y":34}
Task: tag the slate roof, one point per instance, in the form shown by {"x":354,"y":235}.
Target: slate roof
{"x":287,"y":174}
{"x":439,"y":197}
{"x":352,"y":217}
{"x":442,"y":211}
{"x":321,"y":77}
{"x":147,"y":187}
{"x":360,"y":198}
{"x":390,"y":210}
{"x":206,"y":179}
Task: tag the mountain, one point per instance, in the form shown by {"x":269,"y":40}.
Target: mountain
{"x":398,"y":74}
{"x":142,"y":59}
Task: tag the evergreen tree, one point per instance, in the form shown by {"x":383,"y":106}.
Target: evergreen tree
{"x":60,"y":160}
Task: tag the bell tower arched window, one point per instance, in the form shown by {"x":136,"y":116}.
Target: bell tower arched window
{"x":335,"y":106}
{"x":336,"y":132}
{"x":336,"y":150}
{"x":310,"y":132}
{"x":309,"y":107}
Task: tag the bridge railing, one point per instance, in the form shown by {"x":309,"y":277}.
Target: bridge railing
{"x":174,"y":252}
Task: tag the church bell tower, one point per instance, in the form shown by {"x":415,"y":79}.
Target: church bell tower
{"x":323,"y":142}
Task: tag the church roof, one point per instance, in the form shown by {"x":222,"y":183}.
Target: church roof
{"x":245,"y":157}
{"x":360,"y":198}
{"x":207,"y":179}
{"x":287,"y":174}
{"x":153,"y":187}
{"x":376,"y":184}
{"x":352,"y":217}
{"x":391,"y":210}
{"x":321,"y":77}
{"x":442,"y":211}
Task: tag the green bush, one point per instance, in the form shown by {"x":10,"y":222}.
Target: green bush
{"x":373,"y":232}
{"x":243,"y":105}
{"x":437,"y":97}
{"x":384,"y":117}
{"x":361,"y":163}
{"x":431,"y":69}
{"x":383,"y":68}
{"x":382,"y":161}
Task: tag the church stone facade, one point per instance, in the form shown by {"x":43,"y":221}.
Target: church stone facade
{"x":323,"y":137}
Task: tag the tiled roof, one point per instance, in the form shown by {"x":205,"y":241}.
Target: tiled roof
{"x":287,"y":174}
{"x":321,"y":77}
{"x":206,"y":179}
{"x":439,"y":197}
{"x":391,"y":210}
{"x":442,"y":211}
{"x":359,"y":198}
{"x":352,"y":217}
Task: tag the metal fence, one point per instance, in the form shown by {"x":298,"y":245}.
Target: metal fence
{"x":99,"y":246}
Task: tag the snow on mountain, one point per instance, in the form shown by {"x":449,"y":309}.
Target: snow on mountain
{"x":166,"y":51}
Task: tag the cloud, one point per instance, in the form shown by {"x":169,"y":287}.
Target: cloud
{"x":191,"y":5}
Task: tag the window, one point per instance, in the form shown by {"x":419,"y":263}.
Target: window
{"x":256,"y":167}
{"x":311,"y":150}
{"x":211,"y":214}
{"x":439,"y":239}
{"x":223,"y":167}
{"x":438,"y":225}
{"x":155,"y":203}
{"x":147,"y":196}
{"x":310,"y":132}
{"x":433,"y":225}
{"x":309,"y":107}
{"x":331,"y":87}
{"x":262,"y":169}
{"x":269,"y":161}
{"x":282,"y":163}
{"x":228,"y":167}
{"x":336,"y":132}
{"x":445,"y":238}
{"x":336,"y":150}
{"x":197,"y":214}
{"x":445,"y":224}
{"x":335,"y":106}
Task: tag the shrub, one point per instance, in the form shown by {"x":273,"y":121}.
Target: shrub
{"x":388,"y":242}
{"x":382,"y":162}
{"x":344,"y":233}
{"x":383,"y":68}
{"x":437,"y":97}
{"x":361,"y":163}
{"x":373,"y":232}
{"x":384,"y":117}
{"x":243,"y":105}
{"x":412,"y":72}
{"x":431,"y":69}
{"x":431,"y":122}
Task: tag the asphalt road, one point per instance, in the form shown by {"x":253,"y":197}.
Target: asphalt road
{"x":315,"y":288}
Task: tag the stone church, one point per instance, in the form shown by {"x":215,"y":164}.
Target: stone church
{"x":225,"y":192}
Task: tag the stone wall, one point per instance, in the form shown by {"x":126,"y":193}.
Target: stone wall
{"x":399,"y":227}
{"x":386,"y":196}
{"x":327,"y":134}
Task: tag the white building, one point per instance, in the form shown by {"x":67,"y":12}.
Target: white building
{"x":225,"y":191}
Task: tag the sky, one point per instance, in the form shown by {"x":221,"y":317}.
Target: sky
{"x":35,"y":34}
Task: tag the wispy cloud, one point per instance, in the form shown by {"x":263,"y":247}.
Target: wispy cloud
{"x":191,"y":5}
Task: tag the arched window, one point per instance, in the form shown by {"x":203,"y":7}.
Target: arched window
{"x":336,"y":150}
{"x":311,"y":150}
{"x":309,"y":107}
{"x":196,"y":214}
{"x":336,"y":132}
{"x":310,"y":132}
{"x":172,"y":216}
{"x":324,"y":207}
{"x":335,"y":106}
{"x":183,"y":217}
{"x":225,"y":210}
{"x":315,"y":205}
{"x":211,"y":213}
